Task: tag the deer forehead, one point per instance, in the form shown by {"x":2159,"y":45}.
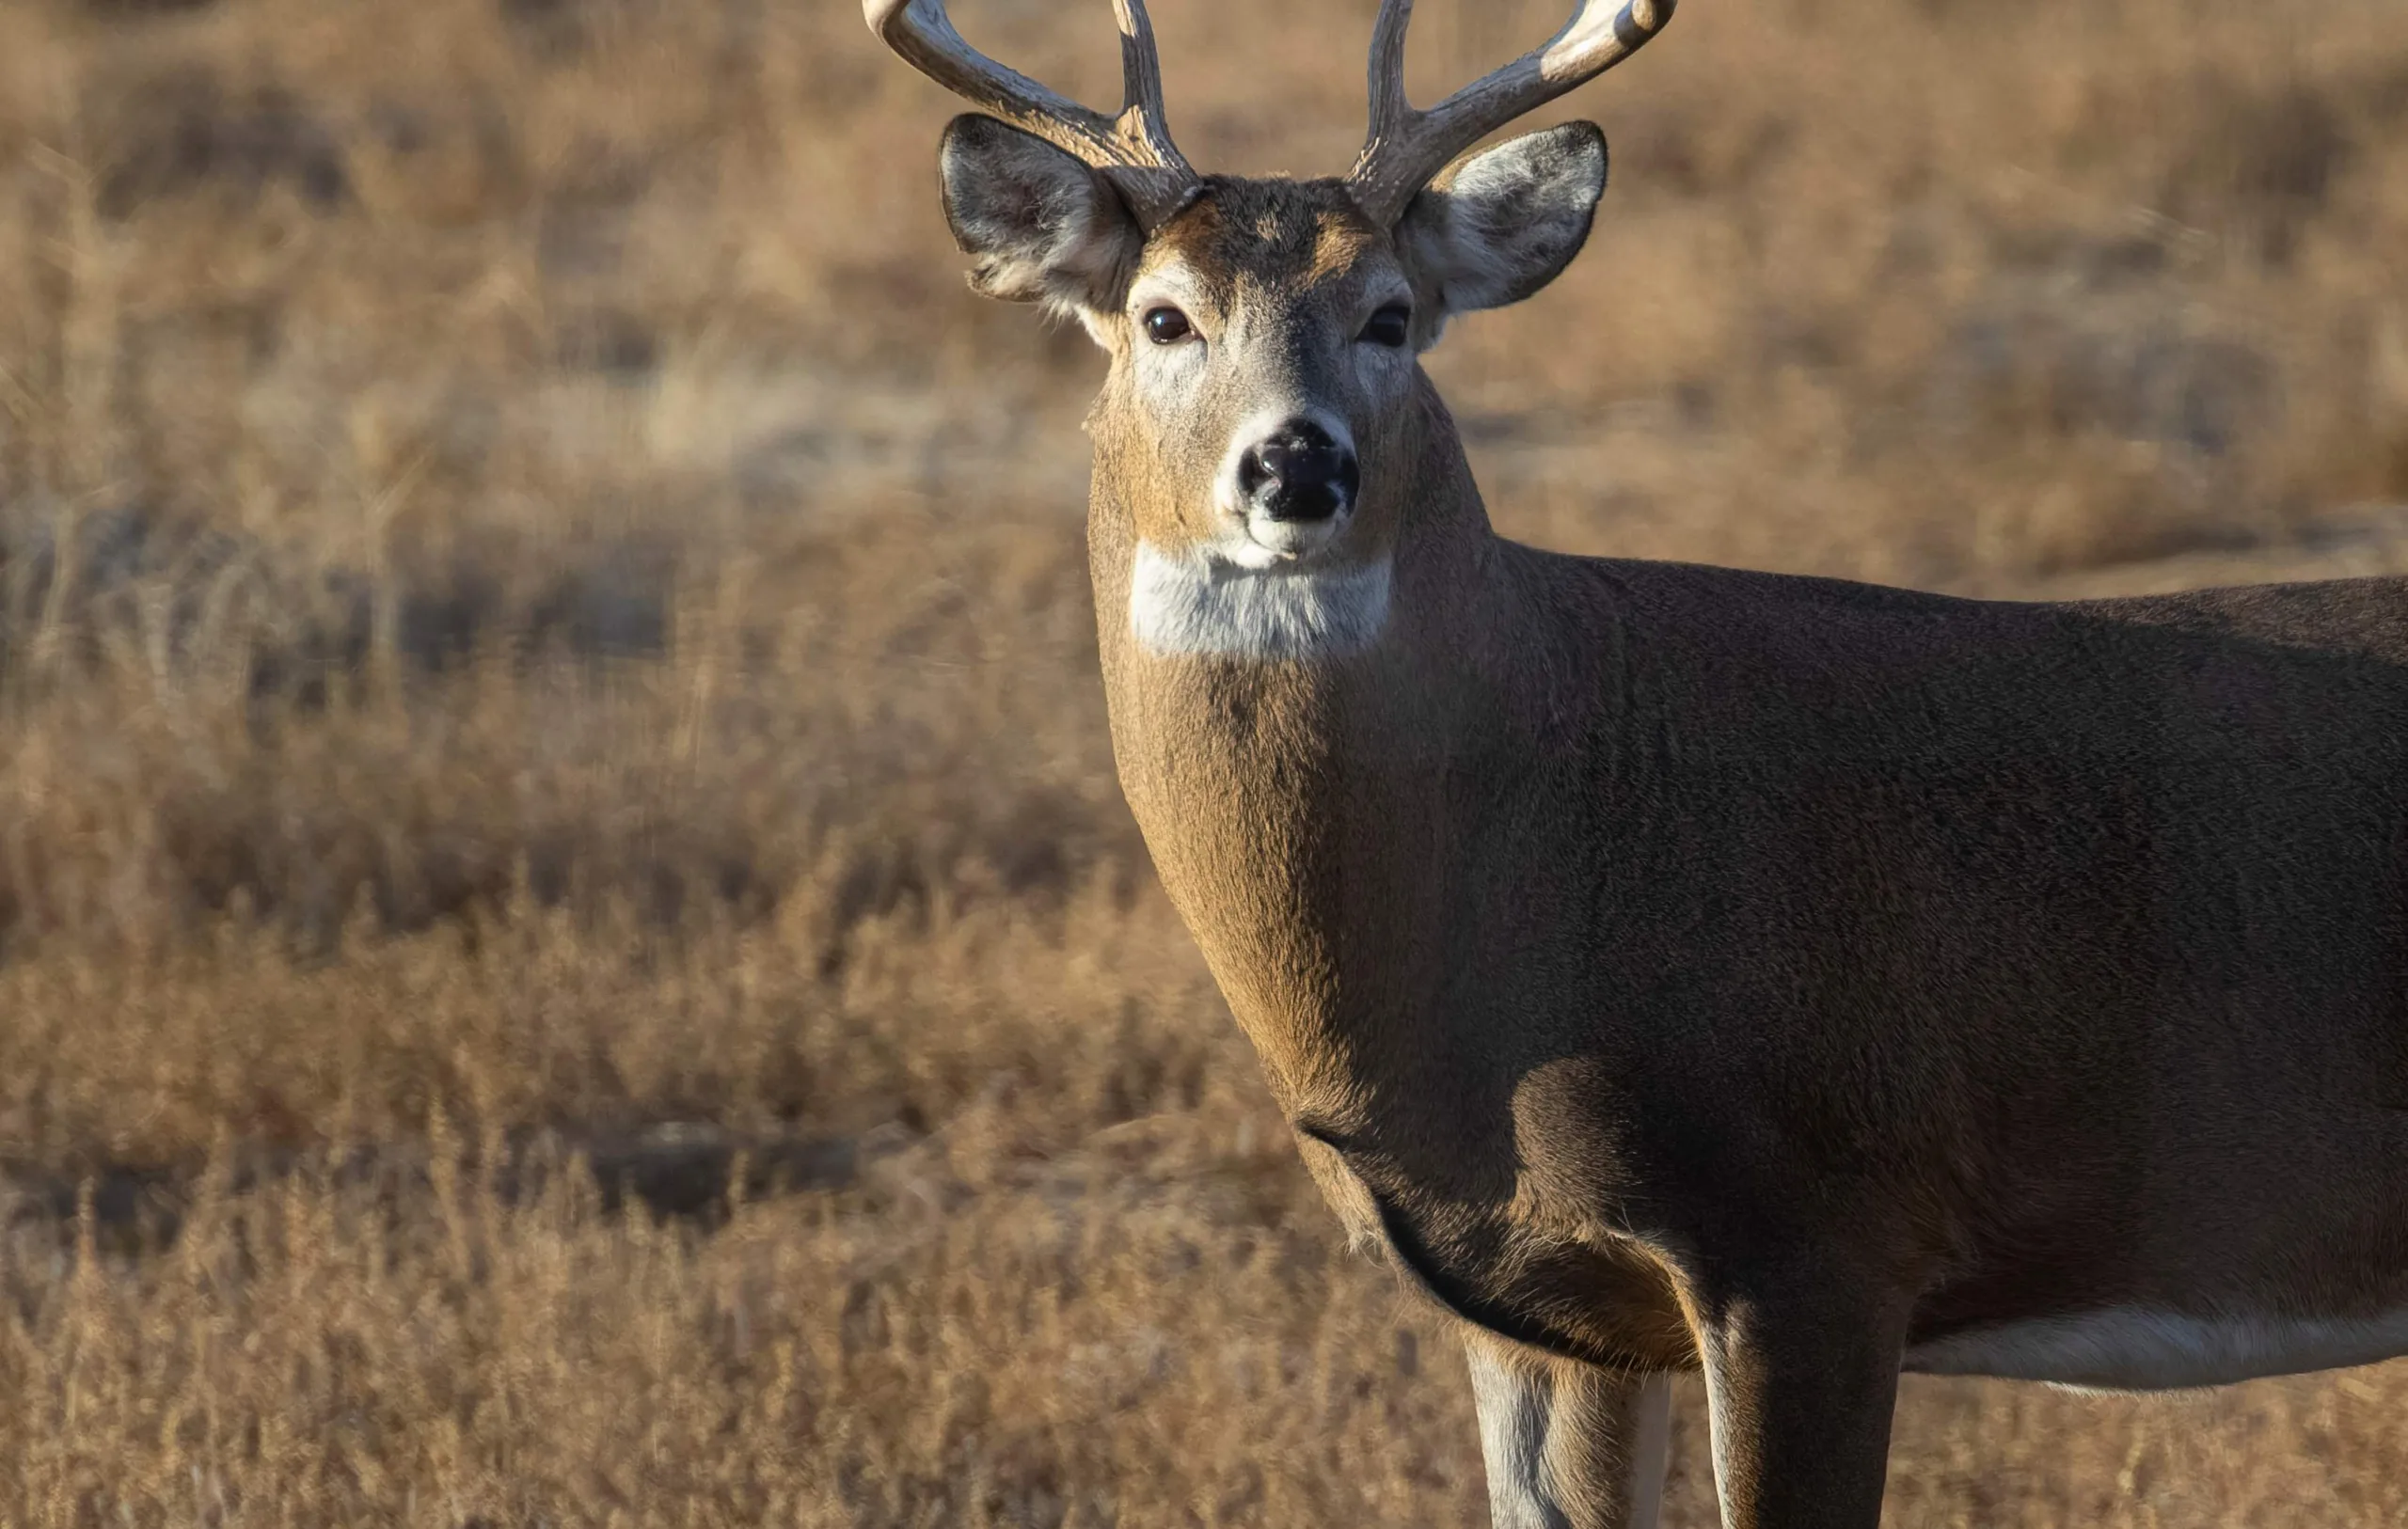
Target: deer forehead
{"x":1246,"y":241}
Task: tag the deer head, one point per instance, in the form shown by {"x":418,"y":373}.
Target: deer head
{"x":1264,"y":391}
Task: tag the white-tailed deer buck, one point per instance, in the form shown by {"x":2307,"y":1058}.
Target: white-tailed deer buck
{"x":1675,"y":968}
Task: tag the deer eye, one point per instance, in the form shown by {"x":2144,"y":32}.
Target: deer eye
{"x":1166,"y":326}
{"x":1389,"y":327}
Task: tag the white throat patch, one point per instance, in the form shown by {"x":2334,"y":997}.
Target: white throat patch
{"x":1195,"y":603}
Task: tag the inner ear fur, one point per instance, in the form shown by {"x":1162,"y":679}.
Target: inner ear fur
{"x":1506,"y":222}
{"x":1042,"y":226}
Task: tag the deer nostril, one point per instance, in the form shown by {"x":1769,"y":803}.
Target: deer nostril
{"x":1299,"y":473}
{"x":1254,"y":473}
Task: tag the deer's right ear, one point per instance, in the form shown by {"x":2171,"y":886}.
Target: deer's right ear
{"x":1041,"y":224}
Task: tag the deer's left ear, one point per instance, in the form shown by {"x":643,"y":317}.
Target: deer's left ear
{"x":1506,"y":223}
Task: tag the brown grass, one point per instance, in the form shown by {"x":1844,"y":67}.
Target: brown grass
{"x":568,"y":950}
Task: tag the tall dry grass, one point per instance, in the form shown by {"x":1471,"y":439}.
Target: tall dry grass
{"x":568,"y":950}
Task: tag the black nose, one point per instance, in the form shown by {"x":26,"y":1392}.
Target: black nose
{"x":1298,"y":473}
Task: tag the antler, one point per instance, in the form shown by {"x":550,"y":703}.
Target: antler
{"x":1133,"y":150}
{"x":1406,"y":147}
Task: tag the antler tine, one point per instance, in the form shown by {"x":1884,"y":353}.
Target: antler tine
{"x":1405,"y":147}
{"x":1134,"y":150}
{"x":1142,"y":118}
{"x":1391,"y":112}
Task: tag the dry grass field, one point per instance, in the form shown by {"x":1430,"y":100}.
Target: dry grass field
{"x":569,"y":953}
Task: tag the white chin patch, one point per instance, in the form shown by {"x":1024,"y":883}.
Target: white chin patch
{"x":1198,"y":602}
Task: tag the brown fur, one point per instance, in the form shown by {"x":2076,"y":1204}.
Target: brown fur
{"x":1677,"y":965}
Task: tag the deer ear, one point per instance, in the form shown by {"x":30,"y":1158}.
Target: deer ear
{"x":1042,"y":225}
{"x":1506,"y":222}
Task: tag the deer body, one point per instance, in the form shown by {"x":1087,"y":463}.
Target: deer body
{"x":1606,"y":927}
{"x":1675,"y":968}
{"x":1598,"y":919}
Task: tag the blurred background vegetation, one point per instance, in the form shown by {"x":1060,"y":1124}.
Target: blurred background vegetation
{"x":569,"y":953}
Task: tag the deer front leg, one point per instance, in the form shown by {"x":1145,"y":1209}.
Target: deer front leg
{"x":1801,"y":1378}
{"x":1567,"y":1446}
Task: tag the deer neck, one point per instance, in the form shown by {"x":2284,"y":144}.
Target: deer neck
{"x":1300,"y":806}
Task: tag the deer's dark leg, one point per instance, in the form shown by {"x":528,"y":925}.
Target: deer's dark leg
{"x":1801,"y":1373}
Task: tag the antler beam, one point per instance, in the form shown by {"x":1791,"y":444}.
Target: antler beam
{"x":1405,"y":147}
{"x":1133,"y":150}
